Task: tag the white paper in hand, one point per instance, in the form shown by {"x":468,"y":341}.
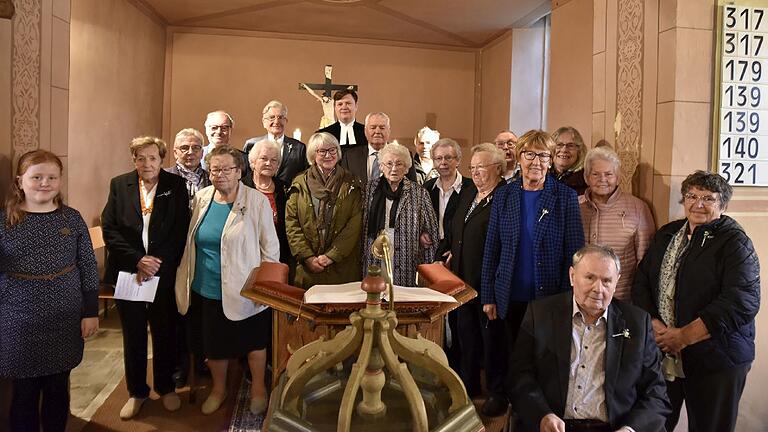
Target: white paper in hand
{"x":127,"y":288}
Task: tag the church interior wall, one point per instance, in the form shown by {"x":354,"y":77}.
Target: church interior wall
{"x":495,"y":87}
{"x":570,"y":85}
{"x":116,"y":93}
{"x":240,"y":72}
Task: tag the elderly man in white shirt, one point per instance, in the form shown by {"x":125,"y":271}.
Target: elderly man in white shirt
{"x":597,"y":371}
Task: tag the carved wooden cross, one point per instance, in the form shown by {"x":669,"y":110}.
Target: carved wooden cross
{"x":327,"y":87}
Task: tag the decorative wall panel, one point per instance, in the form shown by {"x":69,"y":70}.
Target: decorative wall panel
{"x":25,"y":76}
{"x":629,"y":86}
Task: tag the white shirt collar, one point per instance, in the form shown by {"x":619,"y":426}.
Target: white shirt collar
{"x":456,"y":186}
{"x":278,"y":140}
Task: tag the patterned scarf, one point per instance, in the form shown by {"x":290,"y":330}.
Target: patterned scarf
{"x":671,"y":365}
{"x":377,"y":216}
{"x":324,"y":189}
{"x":195,"y":179}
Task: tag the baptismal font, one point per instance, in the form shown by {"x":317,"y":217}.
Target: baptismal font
{"x":370,"y":377}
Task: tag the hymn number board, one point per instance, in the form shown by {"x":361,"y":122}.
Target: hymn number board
{"x":743,"y":108}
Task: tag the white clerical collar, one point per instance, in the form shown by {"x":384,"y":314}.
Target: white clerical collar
{"x":277,"y":140}
{"x":347,"y":125}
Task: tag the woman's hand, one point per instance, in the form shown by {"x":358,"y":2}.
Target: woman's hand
{"x":313,"y":265}
{"x":89,"y":326}
{"x":447,"y":261}
{"x":671,"y":340}
{"x":425,"y":240}
{"x":490,"y":310}
{"x":149,"y":265}
{"x":324,"y":261}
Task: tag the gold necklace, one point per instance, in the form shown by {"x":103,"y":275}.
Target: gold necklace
{"x":143,"y":198}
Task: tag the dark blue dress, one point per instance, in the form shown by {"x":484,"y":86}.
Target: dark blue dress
{"x":40,"y":319}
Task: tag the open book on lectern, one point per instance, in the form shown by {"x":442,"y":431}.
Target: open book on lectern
{"x":351,"y":293}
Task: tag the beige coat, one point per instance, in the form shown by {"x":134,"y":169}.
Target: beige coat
{"x":249,"y":237}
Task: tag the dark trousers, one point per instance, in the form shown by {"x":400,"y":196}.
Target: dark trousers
{"x":161,"y":316}
{"x":480,"y":341}
{"x":28,"y":412}
{"x":511,"y":324}
{"x":711,"y":401}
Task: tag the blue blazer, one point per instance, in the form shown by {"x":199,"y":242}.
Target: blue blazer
{"x":557,"y":235}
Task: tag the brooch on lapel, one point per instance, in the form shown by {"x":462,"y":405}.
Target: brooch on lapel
{"x":166,"y":193}
{"x":544,"y":212}
{"x":65,"y":231}
{"x":624,"y":333}
{"x":242,"y":211}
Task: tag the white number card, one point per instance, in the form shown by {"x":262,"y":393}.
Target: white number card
{"x":741,"y":116}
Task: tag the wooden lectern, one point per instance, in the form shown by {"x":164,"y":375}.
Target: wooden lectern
{"x":295,"y":323}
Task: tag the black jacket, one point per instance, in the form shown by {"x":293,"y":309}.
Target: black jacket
{"x":466,"y":240}
{"x":719,"y":282}
{"x":453,"y":200}
{"x":122,"y":224}
{"x":635,"y":394}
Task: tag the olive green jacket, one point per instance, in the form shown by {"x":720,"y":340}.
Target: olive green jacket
{"x":301,"y":228}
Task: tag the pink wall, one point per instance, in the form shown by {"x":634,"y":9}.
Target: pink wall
{"x":116,"y":93}
{"x":570,"y":84}
{"x":241,"y":72}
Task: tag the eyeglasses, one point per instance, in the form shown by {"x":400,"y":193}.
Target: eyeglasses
{"x":531,"y":155}
{"x":390,"y":165}
{"x":223,"y":128}
{"x":569,"y":146}
{"x":225,"y":170}
{"x":481,"y":167}
{"x":508,"y":144}
{"x":447,"y":159}
{"x":707,"y":200}
{"x":327,"y":152}
{"x":185,"y":148}
{"x":274,"y":117}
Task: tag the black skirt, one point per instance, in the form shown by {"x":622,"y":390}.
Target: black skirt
{"x":218,"y":337}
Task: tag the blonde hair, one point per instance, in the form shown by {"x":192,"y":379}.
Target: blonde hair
{"x":139,"y":143}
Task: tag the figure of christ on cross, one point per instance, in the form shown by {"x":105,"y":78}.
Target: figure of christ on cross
{"x":325,"y":99}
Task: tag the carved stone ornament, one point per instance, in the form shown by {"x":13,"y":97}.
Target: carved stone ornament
{"x":6,"y":9}
{"x":629,"y":88}
{"x":25,"y":76}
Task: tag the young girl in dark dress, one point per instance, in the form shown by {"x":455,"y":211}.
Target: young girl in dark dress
{"x":48,"y":294}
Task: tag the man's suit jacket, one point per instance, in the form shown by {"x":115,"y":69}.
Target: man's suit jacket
{"x":294,"y":158}
{"x":453,"y":200}
{"x":355,"y":160}
{"x":635,"y":392}
{"x":359,"y":129}
{"x":122,"y":224}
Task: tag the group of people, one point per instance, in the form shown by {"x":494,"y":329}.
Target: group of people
{"x":541,"y":228}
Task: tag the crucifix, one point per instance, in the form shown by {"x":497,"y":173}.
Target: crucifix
{"x":325,"y":99}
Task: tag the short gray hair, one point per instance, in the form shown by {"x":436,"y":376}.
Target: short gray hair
{"x":275,"y":104}
{"x":377,"y":114}
{"x":189,"y":133}
{"x":321,"y":138}
{"x":398,"y":151}
{"x":600,"y":250}
{"x":446,"y":142}
{"x":601,"y":153}
{"x":265,"y":143}
{"x":497,"y":155}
